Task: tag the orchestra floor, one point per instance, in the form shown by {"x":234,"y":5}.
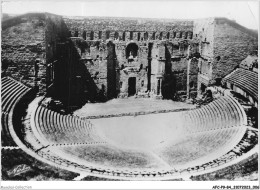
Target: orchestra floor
{"x":131,"y":106}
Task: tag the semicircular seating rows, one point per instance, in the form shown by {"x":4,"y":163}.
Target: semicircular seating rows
{"x":215,"y":121}
{"x":60,"y":130}
{"x":11,"y":92}
{"x":244,"y":79}
{"x":224,"y":112}
{"x":210,"y":144}
{"x":245,"y":145}
{"x":224,"y":116}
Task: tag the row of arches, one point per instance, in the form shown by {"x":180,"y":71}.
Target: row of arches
{"x":138,"y":36}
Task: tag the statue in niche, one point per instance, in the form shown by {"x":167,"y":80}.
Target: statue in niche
{"x":131,"y":55}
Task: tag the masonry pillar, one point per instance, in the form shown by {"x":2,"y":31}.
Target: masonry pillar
{"x":188,"y":78}
{"x":160,"y":87}
{"x":111,"y":71}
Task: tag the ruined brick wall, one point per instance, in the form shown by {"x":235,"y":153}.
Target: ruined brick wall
{"x":232,"y":44}
{"x":126,"y":29}
{"x":204,"y":32}
{"x":179,"y":69}
{"x":22,"y":44}
{"x":94,"y":55}
{"x":110,"y":69}
{"x":132,"y":68}
{"x":95,"y":71}
{"x":55,"y":31}
{"x":98,"y":66}
{"x":29,"y":38}
{"x":193,"y":75}
{"x":223,"y":44}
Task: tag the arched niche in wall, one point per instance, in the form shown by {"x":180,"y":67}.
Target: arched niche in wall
{"x":70,"y":34}
{"x":146,"y":36}
{"x":185,"y":34}
{"x":192,"y":84}
{"x":116,"y":35}
{"x":107,"y":34}
{"x":168,"y":35}
{"x":131,"y":50}
{"x":174,"y":35}
{"x":153,"y":35}
{"x":138,"y":36}
{"x":84,"y":35}
{"x":123,"y":36}
{"x":91,"y":35}
{"x":180,"y":35}
{"x":76,"y":34}
{"x":161,"y":36}
{"x":99,"y":34}
{"x":131,"y":35}
{"x":191,"y":35}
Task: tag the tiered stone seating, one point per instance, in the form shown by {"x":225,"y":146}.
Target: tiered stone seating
{"x":246,"y":144}
{"x":245,"y":80}
{"x":209,"y":129}
{"x":61,"y":130}
{"x":212,"y":131}
{"x":198,"y":145}
{"x":11,"y":92}
{"x":222,"y":113}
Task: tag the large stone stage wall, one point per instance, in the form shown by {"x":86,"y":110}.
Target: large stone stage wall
{"x":90,"y":59}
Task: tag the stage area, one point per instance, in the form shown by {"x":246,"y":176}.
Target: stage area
{"x":130,"y":106}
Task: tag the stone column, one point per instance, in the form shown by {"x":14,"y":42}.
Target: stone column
{"x":188,"y":78}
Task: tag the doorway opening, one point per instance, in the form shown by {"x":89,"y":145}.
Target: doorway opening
{"x":131,"y":86}
{"x":203,"y":88}
{"x":158,"y":86}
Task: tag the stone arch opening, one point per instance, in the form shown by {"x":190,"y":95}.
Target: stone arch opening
{"x":161,"y":36}
{"x":180,"y":34}
{"x":174,"y":35}
{"x":84,"y":35}
{"x":131,"y":50}
{"x":116,"y":36}
{"x":138,"y":36}
{"x":131,"y":35}
{"x":146,"y":36}
{"x":76,"y":34}
{"x":99,"y":34}
{"x":191,"y":35}
{"x":153,"y":37}
{"x":192,"y":84}
{"x":107,"y":34}
{"x":123,"y":36}
{"x":91,"y":35}
{"x":168,"y":35}
{"x":185,"y":35}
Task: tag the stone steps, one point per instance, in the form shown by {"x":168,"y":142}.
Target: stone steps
{"x":11,"y":91}
{"x":221,"y":113}
{"x":64,"y":129}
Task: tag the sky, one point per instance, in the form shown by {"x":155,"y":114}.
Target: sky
{"x":244,"y":12}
